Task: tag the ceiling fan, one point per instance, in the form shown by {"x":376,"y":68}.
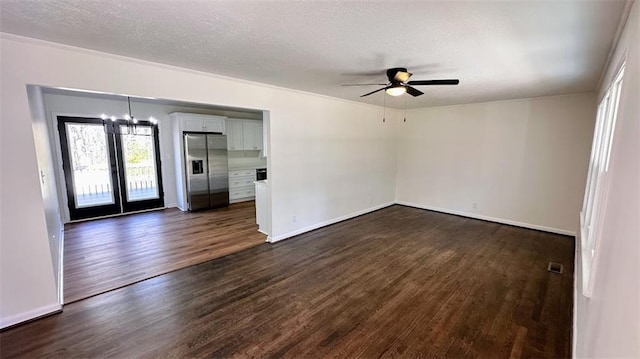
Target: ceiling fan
{"x":398,"y":83}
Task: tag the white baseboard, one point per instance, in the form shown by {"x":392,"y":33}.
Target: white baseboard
{"x":490,"y":219}
{"x":274,"y":239}
{"x":29,"y":315}
{"x":171,"y":205}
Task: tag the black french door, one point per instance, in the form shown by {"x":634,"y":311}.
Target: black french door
{"x":110,"y":167}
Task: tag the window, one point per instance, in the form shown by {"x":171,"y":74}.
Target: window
{"x":594,"y":198}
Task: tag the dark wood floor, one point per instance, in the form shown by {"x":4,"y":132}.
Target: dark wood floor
{"x":110,"y":253}
{"x":399,"y":282}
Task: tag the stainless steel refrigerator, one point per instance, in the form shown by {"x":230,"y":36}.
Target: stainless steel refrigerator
{"x":207,"y":170}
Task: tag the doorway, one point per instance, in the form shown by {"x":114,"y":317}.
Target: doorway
{"x":108,"y":243}
{"x":110,"y":167}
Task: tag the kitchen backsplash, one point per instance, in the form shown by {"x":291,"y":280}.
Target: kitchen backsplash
{"x":243,"y":159}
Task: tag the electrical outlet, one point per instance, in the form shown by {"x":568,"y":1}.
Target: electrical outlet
{"x":294,"y":219}
{"x":475,"y":205}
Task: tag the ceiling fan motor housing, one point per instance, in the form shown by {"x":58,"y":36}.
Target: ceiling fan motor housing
{"x":391,"y":73}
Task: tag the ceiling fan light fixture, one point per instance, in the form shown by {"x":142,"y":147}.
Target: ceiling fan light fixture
{"x":396,"y":90}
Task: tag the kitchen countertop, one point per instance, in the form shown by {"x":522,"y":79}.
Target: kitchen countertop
{"x":245,"y":167}
{"x":263,"y":182}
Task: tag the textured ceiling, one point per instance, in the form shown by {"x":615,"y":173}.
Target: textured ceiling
{"x":498,"y":49}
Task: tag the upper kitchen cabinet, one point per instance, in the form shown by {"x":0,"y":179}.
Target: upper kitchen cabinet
{"x":200,"y":123}
{"x":252,"y":135}
{"x":244,"y":135}
{"x":234,"y":135}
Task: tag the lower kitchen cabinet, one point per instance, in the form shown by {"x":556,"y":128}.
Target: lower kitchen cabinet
{"x":241,"y":187}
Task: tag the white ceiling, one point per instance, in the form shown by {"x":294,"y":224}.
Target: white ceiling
{"x":498,"y":49}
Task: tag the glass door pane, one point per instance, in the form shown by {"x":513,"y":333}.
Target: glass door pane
{"x":90,"y":165}
{"x":88,"y":155}
{"x":140,"y":164}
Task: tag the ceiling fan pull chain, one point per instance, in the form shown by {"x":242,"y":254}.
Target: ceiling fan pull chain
{"x":384,"y":107}
{"x":405,"y":109}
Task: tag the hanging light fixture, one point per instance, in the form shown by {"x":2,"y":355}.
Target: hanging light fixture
{"x":130,"y":121}
{"x":108,"y":123}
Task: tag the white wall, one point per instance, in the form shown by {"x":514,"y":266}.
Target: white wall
{"x":522,"y":162}
{"x":46,"y":169}
{"x":26,"y":270}
{"x":352,"y":167}
{"x":608,"y":323}
{"x":341,"y":163}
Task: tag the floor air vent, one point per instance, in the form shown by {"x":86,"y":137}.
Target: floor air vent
{"x":555,"y":268}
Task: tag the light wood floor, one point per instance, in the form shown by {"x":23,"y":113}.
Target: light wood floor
{"x":399,"y":282}
{"x":105,"y":254}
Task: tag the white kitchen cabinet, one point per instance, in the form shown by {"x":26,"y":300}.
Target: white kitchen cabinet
{"x":192,"y":125}
{"x":241,"y":186}
{"x":249,"y":172}
{"x":241,"y":182}
{"x":241,"y":195}
{"x":244,"y":135}
{"x":234,"y":135}
{"x":252,"y":135}
{"x":210,"y":125}
{"x":191,"y":122}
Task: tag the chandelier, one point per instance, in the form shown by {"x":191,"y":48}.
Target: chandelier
{"x":128,"y":124}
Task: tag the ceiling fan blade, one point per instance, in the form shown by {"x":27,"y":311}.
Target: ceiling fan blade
{"x":434,"y":82}
{"x":372,"y":92}
{"x":402,"y":76}
{"x":413,"y":91}
{"x":364,"y":85}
